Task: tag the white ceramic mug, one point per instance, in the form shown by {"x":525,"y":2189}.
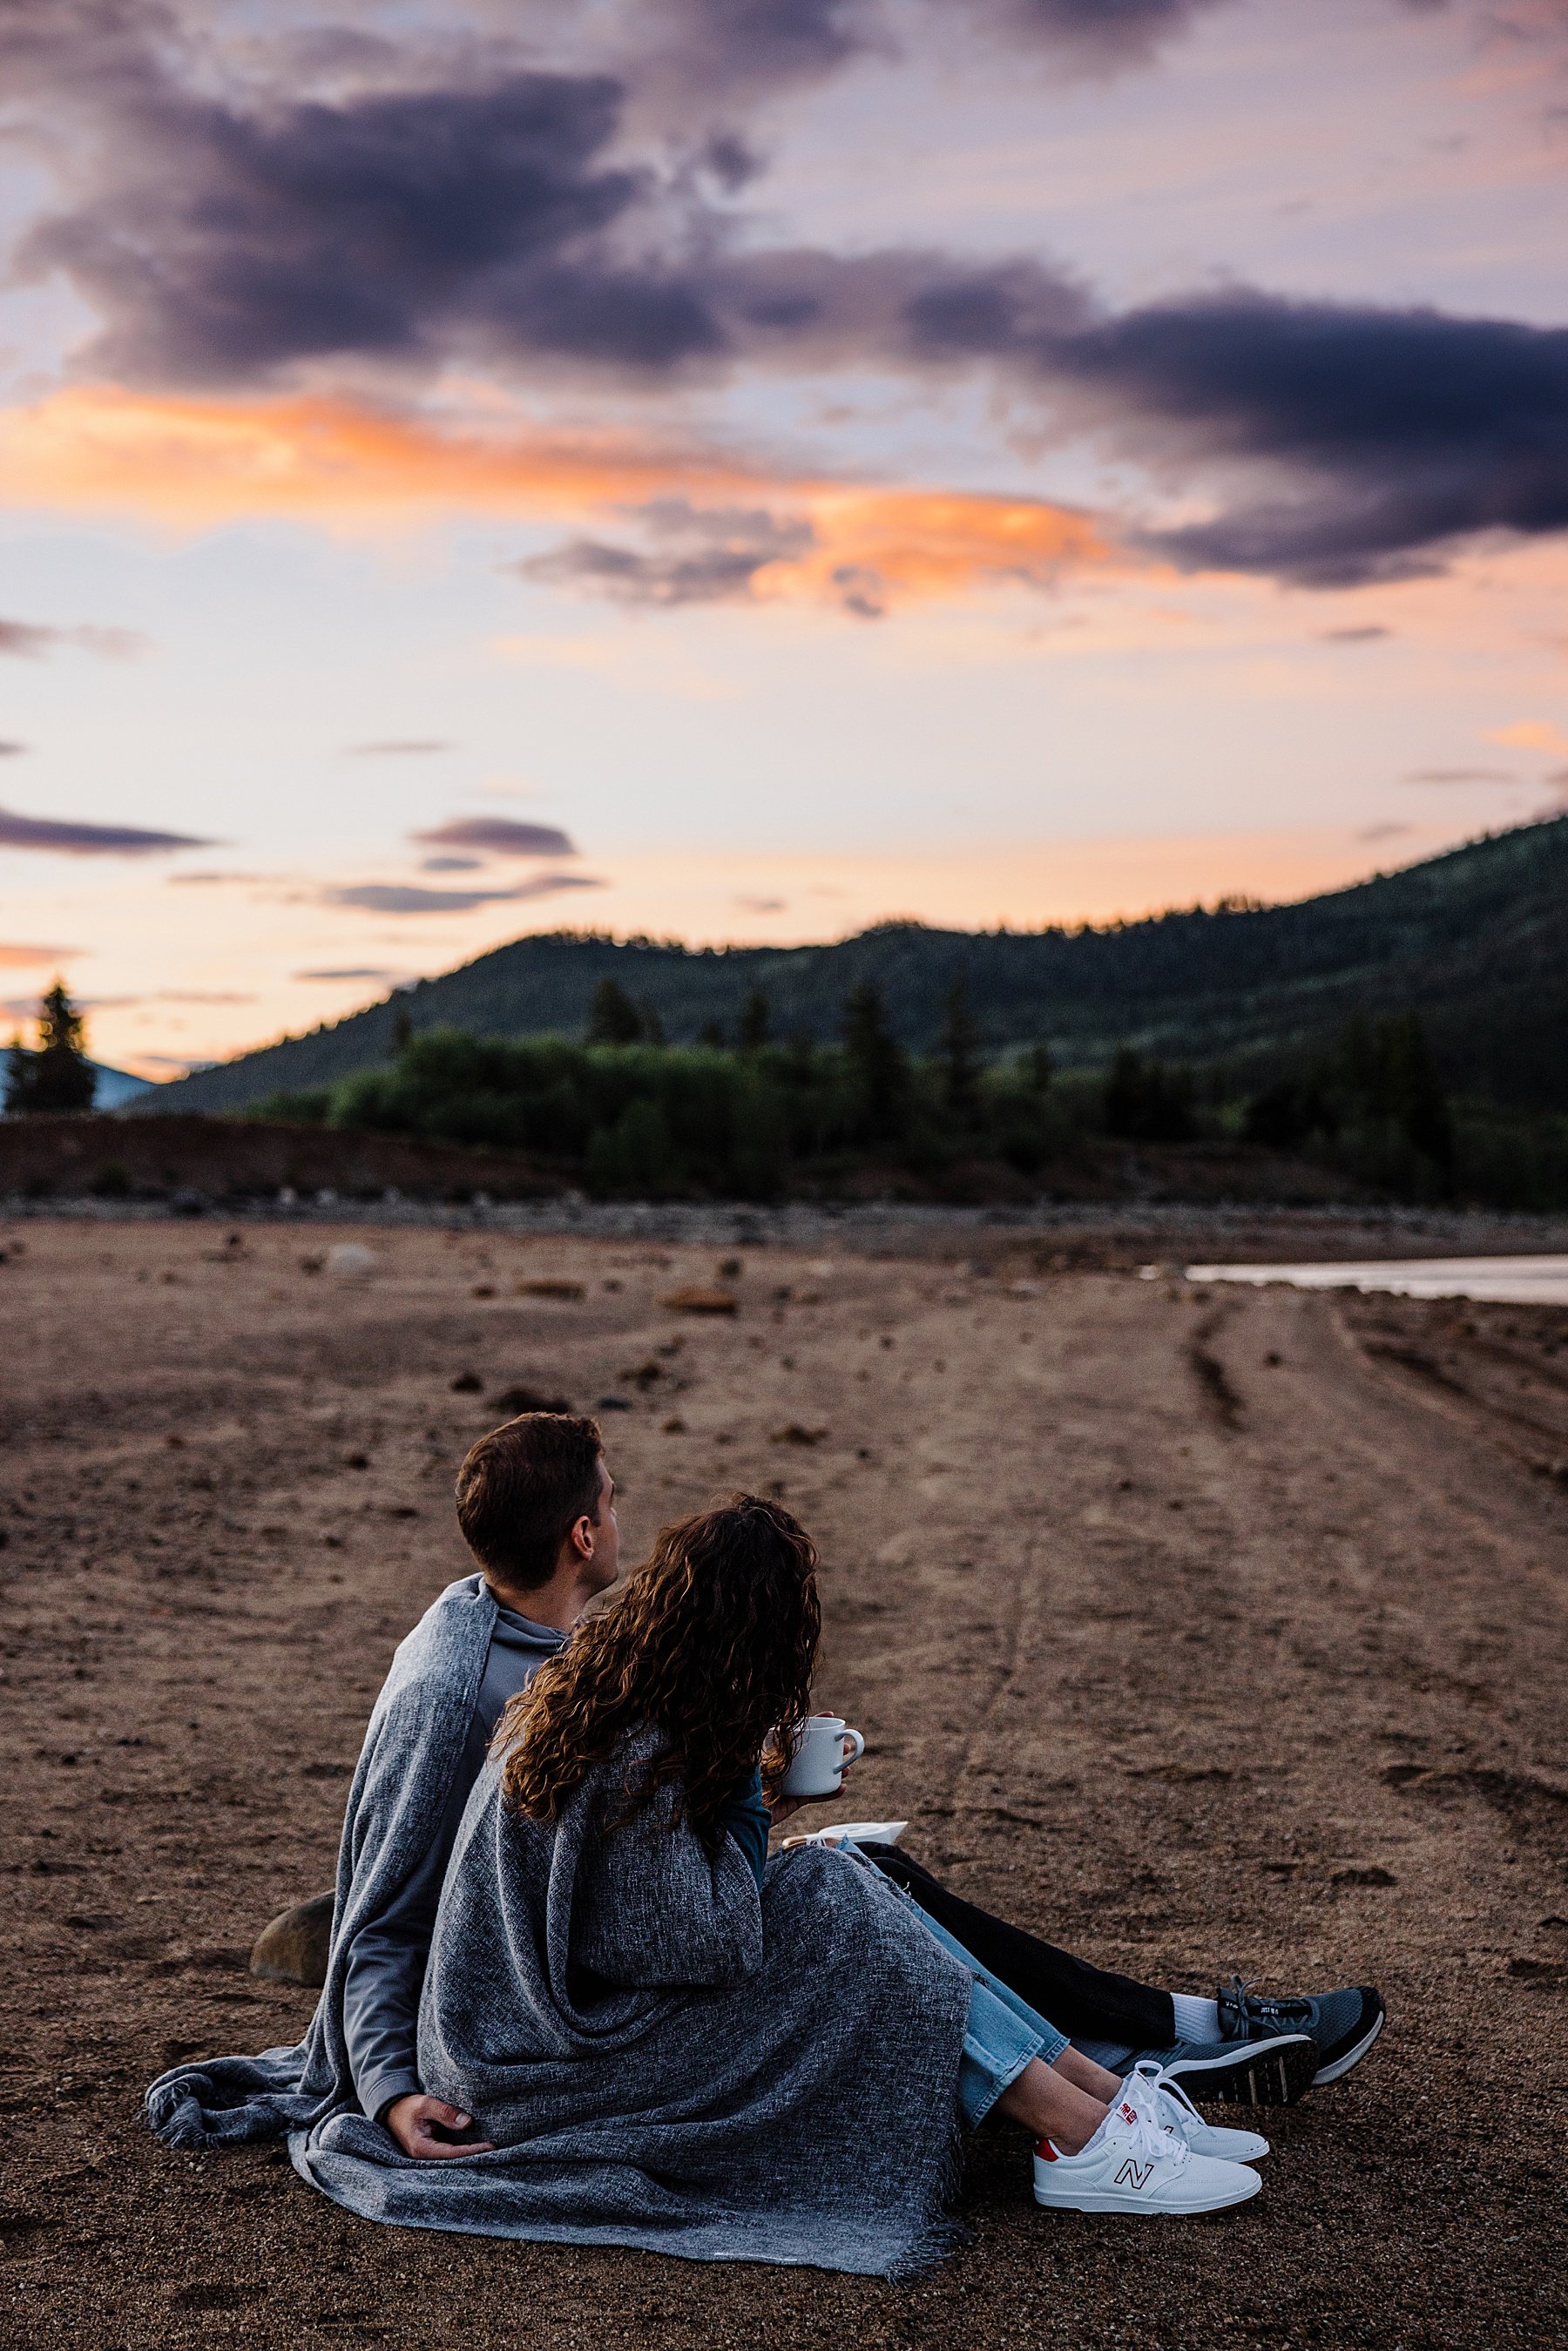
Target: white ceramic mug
{"x":823,"y":1749}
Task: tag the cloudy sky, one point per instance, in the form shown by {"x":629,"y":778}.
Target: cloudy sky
{"x":742,"y":468}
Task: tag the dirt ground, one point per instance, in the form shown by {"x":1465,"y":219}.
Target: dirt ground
{"x":1197,"y":1630}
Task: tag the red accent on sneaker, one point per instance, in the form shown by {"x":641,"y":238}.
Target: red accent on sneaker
{"x":1045,"y":2150}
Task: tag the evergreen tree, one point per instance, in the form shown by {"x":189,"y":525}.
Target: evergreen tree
{"x":959,"y":1052}
{"x":877,"y":1065}
{"x":800,"y":1059}
{"x":1147,"y":1103}
{"x":1039,"y":1068}
{"x":753,"y":1026}
{"x":402,"y":1026}
{"x":712,"y":1033}
{"x":1417,"y":1091}
{"x":653,"y":1027}
{"x":613,"y":1018}
{"x":58,"y":1076}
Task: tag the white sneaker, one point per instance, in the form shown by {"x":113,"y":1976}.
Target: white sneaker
{"x":1170,"y":2109}
{"x":1131,"y":2165}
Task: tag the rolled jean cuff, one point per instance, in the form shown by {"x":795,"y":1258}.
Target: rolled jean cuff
{"x":997,"y":2045}
{"x":1001,"y":2033}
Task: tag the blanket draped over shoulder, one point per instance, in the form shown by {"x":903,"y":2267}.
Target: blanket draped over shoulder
{"x":396,"y":1800}
{"x":666,"y":2058}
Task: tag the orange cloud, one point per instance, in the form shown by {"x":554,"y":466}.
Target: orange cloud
{"x":917,"y":543}
{"x":191,"y":463}
{"x":1532,"y":734}
{"x":194,"y":462}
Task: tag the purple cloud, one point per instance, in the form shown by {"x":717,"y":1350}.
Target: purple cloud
{"x":408,"y":898}
{"x":693,"y":555}
{"x":350,"y":971}
{"x":67,"y":838}
{"x":497,"y":836}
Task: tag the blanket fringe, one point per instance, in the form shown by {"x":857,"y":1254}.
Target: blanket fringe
{"x":941,"y":2234}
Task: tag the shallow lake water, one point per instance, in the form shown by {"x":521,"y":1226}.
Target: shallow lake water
{"x":1507,"y":1280}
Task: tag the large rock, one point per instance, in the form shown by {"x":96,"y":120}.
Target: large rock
{"x":292,"y":1948}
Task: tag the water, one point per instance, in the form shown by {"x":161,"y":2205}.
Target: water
{"x":1506,"y":1280}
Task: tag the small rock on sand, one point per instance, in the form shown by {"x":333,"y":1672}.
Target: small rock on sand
{"x":352,"y":1260}
{"x":524,"y":1398}
{"x":292,"y":1948}
{"x":550,"y":1285}
{"x":696,"y":1300}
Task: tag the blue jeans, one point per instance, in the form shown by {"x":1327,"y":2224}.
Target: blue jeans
{"x":1001,"y":2035}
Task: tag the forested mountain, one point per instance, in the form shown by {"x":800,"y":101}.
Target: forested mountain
{"x":1476,"y":941}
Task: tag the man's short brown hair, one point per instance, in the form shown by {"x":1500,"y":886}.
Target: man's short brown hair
{"x":522,"y":1490}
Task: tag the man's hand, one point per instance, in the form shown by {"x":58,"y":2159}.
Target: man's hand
{"x":413,"y":2122}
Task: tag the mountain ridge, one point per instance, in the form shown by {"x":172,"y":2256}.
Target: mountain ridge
{"x":1475,"y":940}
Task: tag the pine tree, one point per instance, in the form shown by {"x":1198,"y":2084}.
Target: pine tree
{"x":752,"y":1029}
{"x":58,"y":1076}
{"x":876,"y":1059}
{"x":613,"y":1018}
{"x":1039,"y":1068}
{"x":1417,"y":1089}
{"x":958,"y":1051}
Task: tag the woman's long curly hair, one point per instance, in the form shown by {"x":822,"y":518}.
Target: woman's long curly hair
{"x":712,"y":1642}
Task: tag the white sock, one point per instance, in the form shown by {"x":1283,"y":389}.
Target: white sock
{"x":1089,"y":2144}
{"x":1196,"y":2020}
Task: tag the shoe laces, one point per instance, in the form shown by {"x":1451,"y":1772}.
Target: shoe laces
{"x":1238,"y":2000}
{"x":1164,"y":2092}
{"x":1138,"y":2112}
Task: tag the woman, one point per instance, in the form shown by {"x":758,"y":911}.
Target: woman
{"x":670,"y":2042}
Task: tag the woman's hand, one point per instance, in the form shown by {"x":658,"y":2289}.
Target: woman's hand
{"x":784,"y":1808}
{"x":411,"y":2120}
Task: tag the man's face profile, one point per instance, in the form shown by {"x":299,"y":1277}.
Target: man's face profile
{"x":602,"y":1557}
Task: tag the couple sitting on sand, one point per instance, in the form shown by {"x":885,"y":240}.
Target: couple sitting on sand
{"x":569,"y":1997}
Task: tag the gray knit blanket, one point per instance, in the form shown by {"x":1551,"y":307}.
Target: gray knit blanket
{"x":411,"y":1750}
{"x":666,"y":2058}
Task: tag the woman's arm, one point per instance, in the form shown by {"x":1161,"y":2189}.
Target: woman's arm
{"x":746,"y":1819}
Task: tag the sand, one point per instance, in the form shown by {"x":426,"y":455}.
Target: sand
{"x":1197,"y":1630}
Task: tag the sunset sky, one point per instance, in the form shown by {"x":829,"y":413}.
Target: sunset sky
{"x":741,"y":469}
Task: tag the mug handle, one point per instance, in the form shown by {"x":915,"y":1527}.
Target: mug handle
{"x":845,"y":1761}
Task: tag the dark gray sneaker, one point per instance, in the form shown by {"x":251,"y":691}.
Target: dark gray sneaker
{"x":1272,"y":2070}
{"x":1342,"y":2024}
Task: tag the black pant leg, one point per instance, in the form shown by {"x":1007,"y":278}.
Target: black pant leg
{"x":1085,"y":2003}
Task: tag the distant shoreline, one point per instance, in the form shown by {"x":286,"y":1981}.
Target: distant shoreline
{"x":1086,"y":1234}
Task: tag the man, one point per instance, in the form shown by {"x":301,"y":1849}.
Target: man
{"x":537,"y":1506}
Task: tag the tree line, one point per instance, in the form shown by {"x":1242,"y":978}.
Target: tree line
{"x":747,"y":1113}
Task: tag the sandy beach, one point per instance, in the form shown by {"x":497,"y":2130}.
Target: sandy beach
{"x":1196,"y":1628}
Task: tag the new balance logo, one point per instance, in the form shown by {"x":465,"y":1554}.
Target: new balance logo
{"x":1134,"y":2175}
